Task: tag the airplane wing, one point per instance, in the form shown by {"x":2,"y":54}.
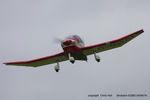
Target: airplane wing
{"x":41,"y":61}
{"x":110,"y":44}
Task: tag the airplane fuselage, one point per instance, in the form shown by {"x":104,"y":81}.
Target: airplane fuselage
{"x":72,"y":45}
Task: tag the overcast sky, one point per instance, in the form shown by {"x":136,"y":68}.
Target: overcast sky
{"x":28,"y":29}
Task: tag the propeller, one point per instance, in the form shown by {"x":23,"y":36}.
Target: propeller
{"x":58,"y":40}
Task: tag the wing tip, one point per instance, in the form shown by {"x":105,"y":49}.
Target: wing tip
{"x":6,"y":63}
{"x":138,"y":32}
{"x":141,"y":30}
{"x":11,"y":63}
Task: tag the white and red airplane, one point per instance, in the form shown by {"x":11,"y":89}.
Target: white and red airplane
{"x":74,"y":49}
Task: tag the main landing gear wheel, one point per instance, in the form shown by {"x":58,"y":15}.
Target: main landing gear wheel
{"x":57,"y":68}
{"x":97,"y":58}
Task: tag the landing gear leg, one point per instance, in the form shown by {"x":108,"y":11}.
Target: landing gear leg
{"x":57,"y":68}
{"x":72,"y":60}
{"x":97,"y":58}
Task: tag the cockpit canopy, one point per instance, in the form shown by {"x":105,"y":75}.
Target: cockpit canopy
{"x":76,"y":37}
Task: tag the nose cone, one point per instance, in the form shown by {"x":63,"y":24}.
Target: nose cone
{"x":67,"y":42}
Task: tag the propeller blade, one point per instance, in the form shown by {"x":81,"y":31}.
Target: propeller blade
{"x":58,"y":40}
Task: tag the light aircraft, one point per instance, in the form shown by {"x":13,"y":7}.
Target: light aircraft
{"x":74,"y":49}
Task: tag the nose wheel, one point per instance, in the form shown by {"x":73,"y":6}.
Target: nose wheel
{"x":72,"y":60}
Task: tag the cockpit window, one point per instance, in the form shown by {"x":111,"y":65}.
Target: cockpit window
{"x":75,"y":36}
